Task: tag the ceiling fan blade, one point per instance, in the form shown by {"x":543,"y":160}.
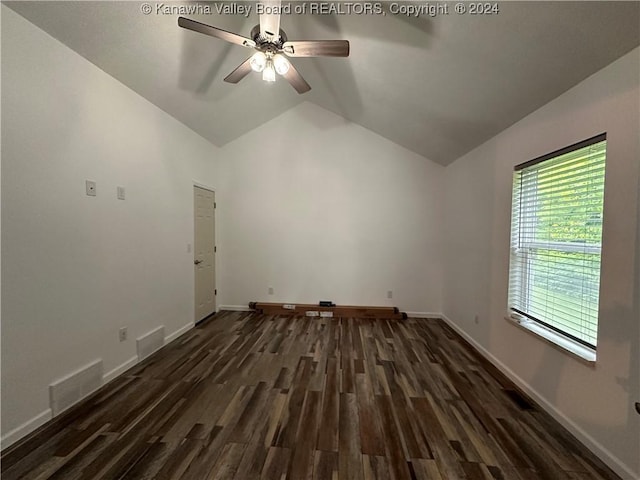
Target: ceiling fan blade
{"x":317,"y":48}
{"x":296,"y":80}
{"x":270,"y":21}
{"x":215,"y":32}
{"x":240,"y":72}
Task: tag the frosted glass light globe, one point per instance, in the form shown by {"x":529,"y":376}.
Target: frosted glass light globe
{"x":258,"y":62}
{"x":281,"y":64}
{"x":269,"y":74}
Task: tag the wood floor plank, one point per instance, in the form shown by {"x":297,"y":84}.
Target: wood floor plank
{"x":302,"y":456}
{"x":426,"y":469}
{"x":228,"y":462}
{"x":253,"y":396}
{"x":286,"y":435}
{"x":150,"y":463}
{"x":72,"y":470}
{"x":414,"y":445}
{"x":252,"y":415}
{"x":393,"y":443}
{"x":328,"y":434}
{"x":476,"y":471}
{"x":255,"y":454}
{"x":375,"y":467}
{"x":276,"y":464}
{"x":325,"y":465}
{"x":371,"y":436}
{"x":349,"y":446}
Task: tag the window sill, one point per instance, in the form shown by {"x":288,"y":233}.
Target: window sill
{"x":560,"y":342}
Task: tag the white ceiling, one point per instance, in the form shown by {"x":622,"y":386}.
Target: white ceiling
{"x":438,"y":86}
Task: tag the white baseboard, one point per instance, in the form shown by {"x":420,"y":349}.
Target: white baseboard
{"x":423,"y":314}
{"x":587,"y":440}
{"x":120,"y":369}
{"x":42,"y":418}
{"x":26,"y":428}
{"x":235,"y":308}
{"x":182,"y":330}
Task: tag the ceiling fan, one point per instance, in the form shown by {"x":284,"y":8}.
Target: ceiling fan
{"x":271,"y":46}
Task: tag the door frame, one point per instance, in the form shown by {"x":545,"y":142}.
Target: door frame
{"x":195,"y":183}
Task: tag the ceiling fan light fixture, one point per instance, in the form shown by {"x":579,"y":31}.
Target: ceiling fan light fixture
{"x":258,"y":62}
{"x":269,"y":73}
{"x":281,"y":65}
{"x":267,"y":58}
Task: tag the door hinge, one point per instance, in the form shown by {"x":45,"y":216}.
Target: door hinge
{"x":215,"y":249}
{"x":215,"y":205}
{"x":215,"y":292}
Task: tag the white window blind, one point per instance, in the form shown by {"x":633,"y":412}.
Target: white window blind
{"x":556,"y":233}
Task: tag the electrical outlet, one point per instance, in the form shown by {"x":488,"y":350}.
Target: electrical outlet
{"x":120,"y":193}
{"x":270,"y":290}
{"x":389,"y":294}
{"x":476,"y":319}
{"x":90,"y":186}
{"x":122,"y":334}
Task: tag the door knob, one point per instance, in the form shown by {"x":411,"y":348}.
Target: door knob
{"x":197,"y":262}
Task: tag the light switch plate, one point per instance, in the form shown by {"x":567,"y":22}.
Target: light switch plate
{"x":120,"y":191}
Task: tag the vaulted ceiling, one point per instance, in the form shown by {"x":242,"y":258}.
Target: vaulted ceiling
{"x":439,"y":85}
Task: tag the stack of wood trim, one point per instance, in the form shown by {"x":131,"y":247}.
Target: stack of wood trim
{"x":338,"y":310}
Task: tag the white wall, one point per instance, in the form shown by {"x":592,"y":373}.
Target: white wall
{"x":595,"y":402}
{"x":76,"y":268}
{"x":321,"y":209}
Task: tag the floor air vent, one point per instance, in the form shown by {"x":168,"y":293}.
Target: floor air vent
{"x":74,"y":387}
{"x":149,"y":343}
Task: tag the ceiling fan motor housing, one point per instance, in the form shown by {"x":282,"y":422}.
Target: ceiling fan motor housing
{"x":262,"y":42}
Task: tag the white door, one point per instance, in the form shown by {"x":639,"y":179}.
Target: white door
{"x":204,"y":249}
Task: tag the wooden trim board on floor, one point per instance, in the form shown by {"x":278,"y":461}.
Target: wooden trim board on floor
{"x":345,"y":311}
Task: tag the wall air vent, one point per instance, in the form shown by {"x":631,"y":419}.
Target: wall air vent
{"x":74,"y":387}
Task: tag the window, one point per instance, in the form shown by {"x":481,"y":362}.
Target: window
{"x":556,"y":235}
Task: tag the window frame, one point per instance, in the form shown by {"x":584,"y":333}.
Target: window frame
{"x":522,"y":317}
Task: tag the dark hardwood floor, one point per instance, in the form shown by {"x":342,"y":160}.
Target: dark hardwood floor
{"x":249,"y":396}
